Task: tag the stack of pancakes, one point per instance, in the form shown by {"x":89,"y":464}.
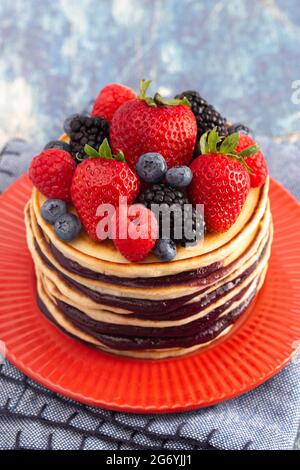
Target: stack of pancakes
{"x":151,"y":309}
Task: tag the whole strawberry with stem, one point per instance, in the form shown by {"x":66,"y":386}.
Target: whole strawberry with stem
{"x":110,"y":98}
{"x":221,"y":180}
{"x":101,"y":179}
{"x":156,"y":125}
{"x":256,"y":161}
{"x":51,"y":172}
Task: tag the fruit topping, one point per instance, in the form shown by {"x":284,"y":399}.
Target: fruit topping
{"x":179,"y":176}
{"x":221,"y":180}
{"x":206,"y":115}
{"x":52,"y":209}
{"x":135,"y":231}
{"x":69,"y":119}
{"x":58,"y":144}
{"x":110,"y":98}
{"x":151,"y":167}
{"x":101,"y":180}
{"x":241,"y":128}
{"x":165,"y":249}
{"x":67,"y":227}
{"x":86,"y":130}
{"x":256,"y":161}
{"x":155,"y":125}
{"x":177,"y":219}
{"x":51,"y":172}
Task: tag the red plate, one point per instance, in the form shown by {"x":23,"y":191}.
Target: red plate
{"x":262,"y":342}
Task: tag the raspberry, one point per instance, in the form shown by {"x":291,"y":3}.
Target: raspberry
{"x":51,"y":172}
{"x":110,"y":98}
{"x":256,"y":161}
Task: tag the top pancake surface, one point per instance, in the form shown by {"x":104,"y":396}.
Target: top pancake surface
{"x":253,"y":208}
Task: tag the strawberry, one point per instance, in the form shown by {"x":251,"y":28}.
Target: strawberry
{"x":136,"y":231}
{"x":154,"y":125}
{"x":110,"y":98}
{"x":221,"y":181}
{"x":51,"y":172}
{"x":256,"y":161}
{"x":101,"y":181}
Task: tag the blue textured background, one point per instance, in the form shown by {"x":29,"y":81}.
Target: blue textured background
{"x":56,"y":54}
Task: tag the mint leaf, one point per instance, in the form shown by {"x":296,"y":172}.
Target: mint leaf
{"x":104,"y":150}
{"x":249,"y":151}
{"x":229,"y":143}
{"x":90,"y":151}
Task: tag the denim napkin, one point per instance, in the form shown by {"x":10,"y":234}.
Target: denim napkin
{"x":266,"y":418}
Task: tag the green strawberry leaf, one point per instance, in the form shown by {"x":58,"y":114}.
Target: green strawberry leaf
{"x":90,"y":151}
{"x":212,"y":141}
{"x":104,"y":150}
{"x":150,"y":102}
{"x":229,"y":143}
{"x":161,"y":101}
{"x":209,"y":144}
{"x":158,"y":100}
{"x":203,"y":146}
{"x":240,"y":159}
{"x":120,"y":157}
{"x":249,"y":151}
{"x":144,"y":85}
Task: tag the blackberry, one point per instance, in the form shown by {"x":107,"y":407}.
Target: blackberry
{"x":186,"y":225}
{"x":206,"y":115}
{"x":86,"y":130}
{"x":238,"y":127}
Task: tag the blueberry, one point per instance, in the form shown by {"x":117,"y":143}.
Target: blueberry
{"x":151,"y":167}
{"x":58,"y":144}
{"x":179,"y":176}
{"x":165,"y":249}
{"x":67,"y":227}
{"x":52,"y":209}
{"x":238,"y":127}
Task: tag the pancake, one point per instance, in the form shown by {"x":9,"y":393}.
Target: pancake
{"x":151,"y":309}
{"x":53,"y":313}
{"x":86,"y":294}
{"x":106,"y":315}
{"x":104,"y":258}
{"x":160,"y":293}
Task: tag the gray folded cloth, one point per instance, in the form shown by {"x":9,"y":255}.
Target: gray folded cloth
{"x":265,"y":418}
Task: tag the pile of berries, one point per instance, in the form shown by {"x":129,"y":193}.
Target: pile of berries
{"x":178,"y":221}
{"x":142,"y":148}
{"x":66,"y":226}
